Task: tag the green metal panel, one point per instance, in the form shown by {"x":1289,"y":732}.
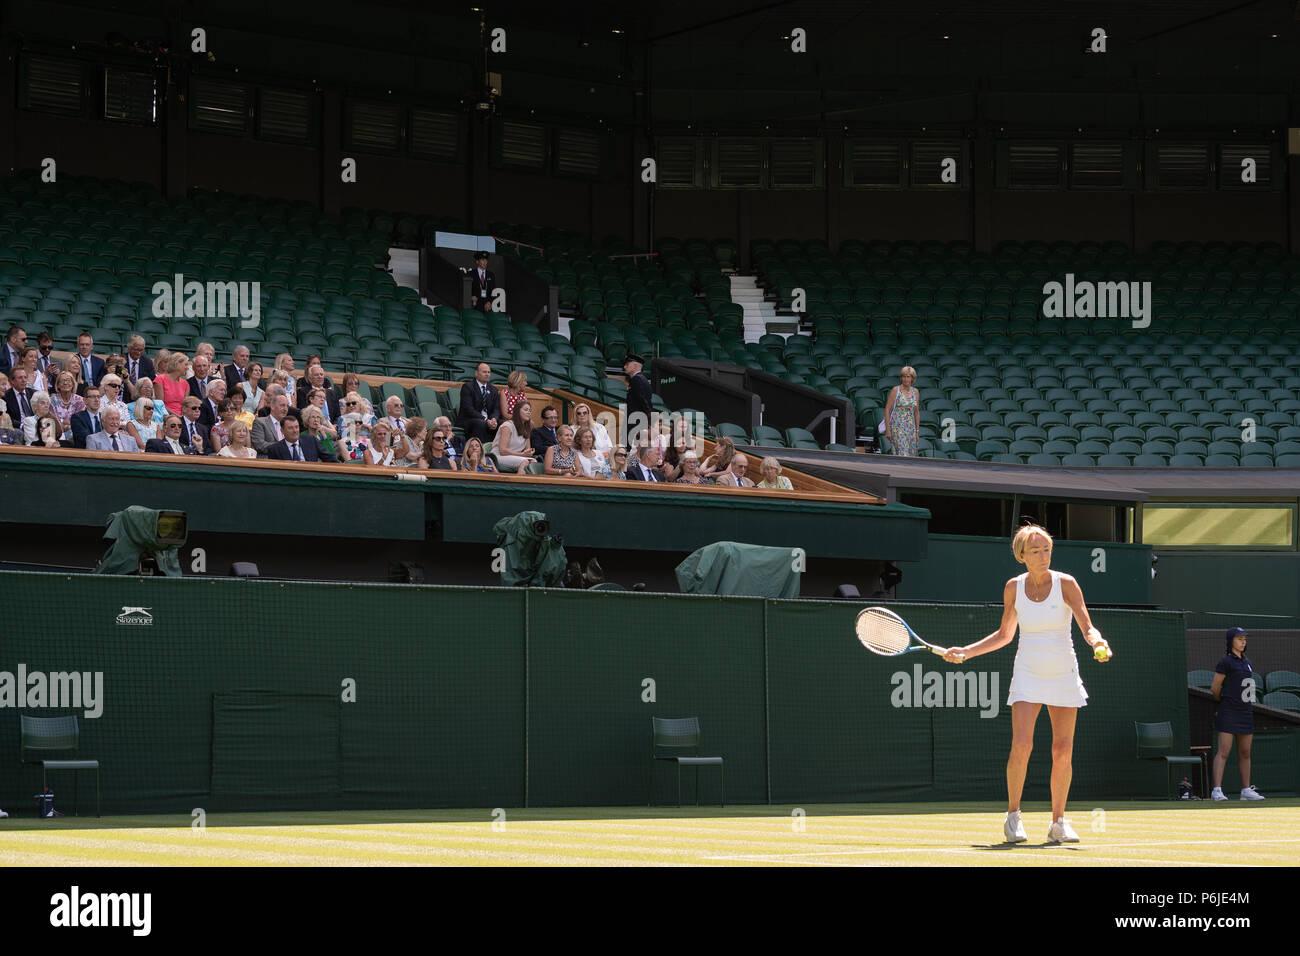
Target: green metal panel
{"x":961,"y":568}
{"x":1229,"y":582}
{"x":238,"y":500}
{"x":628,"y":518}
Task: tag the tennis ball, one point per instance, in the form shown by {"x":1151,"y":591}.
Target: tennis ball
{"x":1101,"y":652}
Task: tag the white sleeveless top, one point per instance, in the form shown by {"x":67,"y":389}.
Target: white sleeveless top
{"x":1046,"y":669}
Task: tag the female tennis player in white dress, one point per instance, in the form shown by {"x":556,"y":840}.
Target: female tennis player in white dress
{"x":1046,"y":672}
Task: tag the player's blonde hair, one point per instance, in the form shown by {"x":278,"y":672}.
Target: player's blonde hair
{"x":1021,"y":540}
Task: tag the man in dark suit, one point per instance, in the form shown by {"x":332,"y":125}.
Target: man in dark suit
{"x":483,"y":283}
{"x":296,"y":446}
{"x":235,"y":371}
{"x":202,"y":376}
{"x":305,"y":381}
{"x":480,"y":405}
{"x":15,"y":342}
{"x":46,"y":362}
{"x":315,"y":378}
{"x":194,"y":435}
{"x":639,"y":396}
{"x":545,"y":435}
{"x":138,"y":365}
{"x":647,"y":466}
{"x":87,"y":423}
{"x":18,"y":400}
{"x":171,"y":443}
{"x":92,"y":366}
{"x":216,"y":394}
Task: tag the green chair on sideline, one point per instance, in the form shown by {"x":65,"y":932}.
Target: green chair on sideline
{"x":44,"y":735}
{"x":678,"y":739}
{"x":1155,"y":741}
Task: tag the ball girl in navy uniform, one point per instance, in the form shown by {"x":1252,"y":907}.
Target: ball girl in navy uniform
{"x":1236,"y":714}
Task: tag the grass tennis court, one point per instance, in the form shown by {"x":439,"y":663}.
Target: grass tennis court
{"x":933,"y":834}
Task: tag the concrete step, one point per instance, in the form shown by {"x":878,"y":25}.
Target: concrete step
{"x":758,"y":312}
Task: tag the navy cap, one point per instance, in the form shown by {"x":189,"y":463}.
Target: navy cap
{"x":480,"y":255}
{"x":633,"y":357}
{"x":1233,"y":632}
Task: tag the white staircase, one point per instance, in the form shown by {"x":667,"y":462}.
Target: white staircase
{"x":405,"y":264}
{"x":758,"y":312}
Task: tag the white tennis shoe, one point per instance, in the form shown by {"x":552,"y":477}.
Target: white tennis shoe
{"x":3,"y":815}
{"x":1217,"y":794}
{"x":1013,"y":829}
{"x":1061,"y":832}
{"x":1250,"y":793}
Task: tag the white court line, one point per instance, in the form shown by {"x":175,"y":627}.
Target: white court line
{"x":1100,"y":861}
{"x":1097,"y":846}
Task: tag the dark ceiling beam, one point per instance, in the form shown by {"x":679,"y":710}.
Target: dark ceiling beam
{"x":1195,"y":21}
{"x":716,"y":21}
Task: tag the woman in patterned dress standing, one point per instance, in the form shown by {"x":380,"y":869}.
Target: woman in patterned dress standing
{"x":903,"y":414}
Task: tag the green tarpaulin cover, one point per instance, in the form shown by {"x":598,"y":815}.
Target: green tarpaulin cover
{"x":532,"y":560}
{"x":729,"y":567}
{"x":133,"y":532}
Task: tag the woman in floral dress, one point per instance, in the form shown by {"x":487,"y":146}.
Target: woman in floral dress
{"x":903,"y":414}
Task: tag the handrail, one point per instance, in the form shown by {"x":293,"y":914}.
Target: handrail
{"x":391,"y":474}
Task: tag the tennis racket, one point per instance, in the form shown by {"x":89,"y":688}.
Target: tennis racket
{"x":883,"y":632}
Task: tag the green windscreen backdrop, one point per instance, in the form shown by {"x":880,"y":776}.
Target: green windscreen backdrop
{"x":251,"y":695}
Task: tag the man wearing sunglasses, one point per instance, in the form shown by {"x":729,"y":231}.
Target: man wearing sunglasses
{"x":170,"y":443}
{"x":46,"y":361}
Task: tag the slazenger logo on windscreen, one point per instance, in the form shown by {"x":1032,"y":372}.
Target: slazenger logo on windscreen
{"x":62,"y":690}
{"x":135,"y":615}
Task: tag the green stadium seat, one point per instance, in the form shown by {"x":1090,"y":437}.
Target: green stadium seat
{"x":1282,"y":700}
{"x":1280,"y":680}
{"x":768,"y":436}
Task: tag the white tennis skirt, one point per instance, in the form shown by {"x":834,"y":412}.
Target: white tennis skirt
{"x":1046,"y":672}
